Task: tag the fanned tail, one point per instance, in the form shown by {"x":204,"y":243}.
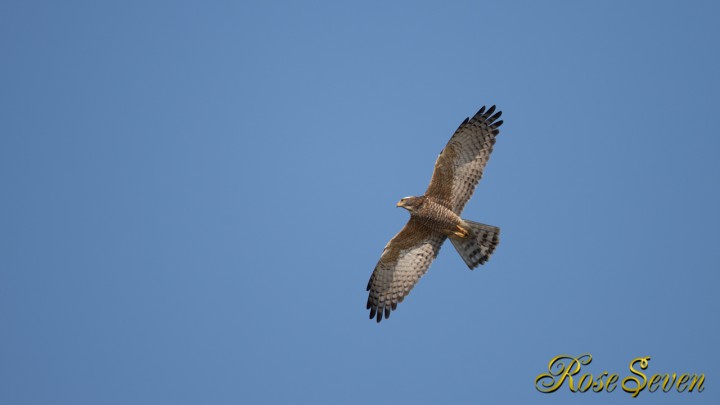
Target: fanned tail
{"x":479,"y":245}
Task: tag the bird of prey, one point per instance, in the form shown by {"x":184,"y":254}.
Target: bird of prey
{"x":435,"y":217}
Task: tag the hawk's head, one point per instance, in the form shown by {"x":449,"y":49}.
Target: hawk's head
{"x":411,"y":203}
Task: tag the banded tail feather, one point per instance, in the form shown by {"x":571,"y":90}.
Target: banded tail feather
{"x":479,"y":245}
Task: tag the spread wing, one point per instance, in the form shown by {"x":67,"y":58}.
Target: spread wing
{"x":460,"y":165}
{"x":405,"y":259}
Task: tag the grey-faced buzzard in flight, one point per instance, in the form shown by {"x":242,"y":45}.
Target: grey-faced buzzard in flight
{"x":435,"y":216}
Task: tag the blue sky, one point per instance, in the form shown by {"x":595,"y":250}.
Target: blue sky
{"x":194,"y":197}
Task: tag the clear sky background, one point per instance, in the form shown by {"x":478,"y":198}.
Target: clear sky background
{"x":193,"y":197}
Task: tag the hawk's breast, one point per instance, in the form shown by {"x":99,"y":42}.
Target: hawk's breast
{"x":437,"y":217}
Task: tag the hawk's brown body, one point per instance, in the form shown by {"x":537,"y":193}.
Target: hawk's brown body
{"x":435,"y":216}
{"x":439,"y":218}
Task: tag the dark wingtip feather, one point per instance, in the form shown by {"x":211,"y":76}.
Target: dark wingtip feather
{"x":498,"y":123}
{"x":496,"y":116}
{"x":379,"y":315}
{"x":372,"y":312}
{"x":490,"y":111}
{"x":387,"y":312}
{"x":480,"y":111}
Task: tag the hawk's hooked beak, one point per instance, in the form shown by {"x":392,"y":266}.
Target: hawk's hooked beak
{"x":400,"y":204}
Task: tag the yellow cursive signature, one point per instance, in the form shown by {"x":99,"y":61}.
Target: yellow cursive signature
{"x":567,"y":368}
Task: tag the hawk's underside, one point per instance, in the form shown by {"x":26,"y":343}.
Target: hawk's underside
{"x":435,"y":216}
